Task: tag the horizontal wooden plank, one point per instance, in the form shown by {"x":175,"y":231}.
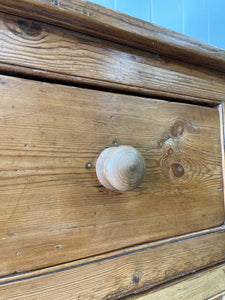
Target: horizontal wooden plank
{"x":64,"y":55}
{"x":108,"y":255}
{"x":91,"y":19}
{"x":52,"y":207}
{"x":47,"y":76}
{"x":220,"y":296}
{"x":122,"y":275}
{"x":207,"y":284}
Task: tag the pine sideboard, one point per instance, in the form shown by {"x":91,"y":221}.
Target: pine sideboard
{"x":77,"y":79}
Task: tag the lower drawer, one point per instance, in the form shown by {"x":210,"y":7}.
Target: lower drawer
{"x":130,"y":272}
{"x":208,"y":284}
{"x":52,"y":207}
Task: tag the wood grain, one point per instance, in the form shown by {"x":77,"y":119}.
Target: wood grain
{"x":220,"y":296}
{"x":120,"y":276}
{"x":64,"y":55}
{"x":203,"y":285}
{"x":91,"y":19}
{"x":105,"y":256}
{"x":53,"y":209}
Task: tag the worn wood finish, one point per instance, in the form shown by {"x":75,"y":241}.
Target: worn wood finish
{"x":52,"y":207}
{"x":220,"y":296}
{"x":116,"y":253}
{"x":44,"y":75}
{"x":63,"y":236}
{"x":193,"y":288}
{"x":123,"y":274}
{"x":91,"y":19}
{"x":69,"y":56}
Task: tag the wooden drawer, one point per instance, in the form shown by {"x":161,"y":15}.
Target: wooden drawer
{"x":47,"y":51}
{"x":208,"y":284}
{"x":54,"y":210}
{"x":94,"y":78}
{"x":193,"y":287}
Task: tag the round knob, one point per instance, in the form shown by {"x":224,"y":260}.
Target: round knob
{"x":120,"y":168}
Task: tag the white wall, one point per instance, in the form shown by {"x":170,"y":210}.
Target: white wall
{"x":201,"y":19}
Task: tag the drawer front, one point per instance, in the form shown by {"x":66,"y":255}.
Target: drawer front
{"x":44,"y":50}
{"x":204,"y":285}
{"x":134,"y":272}
{"x":52,"y":207}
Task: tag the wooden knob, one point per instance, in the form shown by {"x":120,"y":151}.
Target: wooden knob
{"x":120,"y":168}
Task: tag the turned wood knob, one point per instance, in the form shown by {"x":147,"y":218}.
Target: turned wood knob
{"x":120,"y":168}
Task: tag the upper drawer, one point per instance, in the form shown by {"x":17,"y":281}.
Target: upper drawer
{"x":52,"y":208}
{"x":39,"y":49}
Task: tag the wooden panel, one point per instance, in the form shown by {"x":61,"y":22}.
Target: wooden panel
{"x":52,"y":207}
{"x":95,"y":20}
{"x":220,"y":296}
{"x":203,"y":285}
{"x":44,"y":48}
{"x":120,"y":275}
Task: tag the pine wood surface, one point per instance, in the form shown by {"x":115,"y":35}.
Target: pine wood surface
{"x":220,"y":296}
{"x":53,"y":209}
{"x":122,"y":275}
{"x":178,"y":240}
{"x":64,"y":236}
{"x":208,"y":284}
{"x":89,"y":18}
{"x":44,"y":50}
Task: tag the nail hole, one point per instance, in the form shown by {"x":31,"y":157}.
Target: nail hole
{"x":115,"y":143}
{"x":58,"y":246}
{"x":135,"y":279}
{"x":88,"y":165}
